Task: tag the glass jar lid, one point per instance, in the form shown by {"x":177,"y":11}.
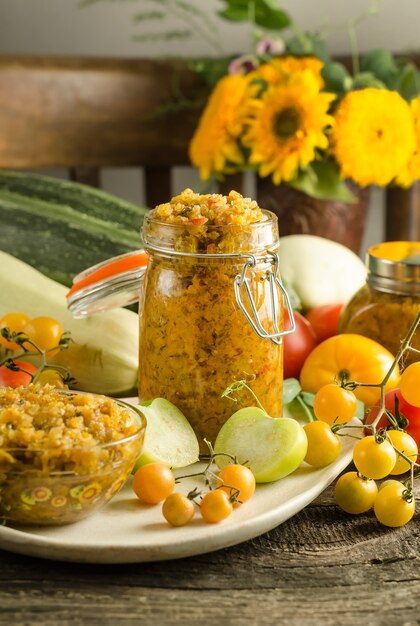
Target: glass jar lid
{"x":112,"y":283}
{"x":394,"y":267}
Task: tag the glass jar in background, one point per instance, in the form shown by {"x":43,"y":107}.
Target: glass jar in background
{"x":387,"y":305}
{"x":212,"y":314}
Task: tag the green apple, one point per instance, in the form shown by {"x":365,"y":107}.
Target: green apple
{"x":169,"y":438}
{"x":271,"y":447}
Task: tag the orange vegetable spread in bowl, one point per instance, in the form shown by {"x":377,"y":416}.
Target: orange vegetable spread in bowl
{"x":194,"y":338}
{"x":63,"y":454}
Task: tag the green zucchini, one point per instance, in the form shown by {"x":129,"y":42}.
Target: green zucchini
{"x":60,"y":227}
{"x":103,"y":356}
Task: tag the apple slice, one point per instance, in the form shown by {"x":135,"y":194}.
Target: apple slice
{"x":271,"y":447}
{"x":169,"y":438}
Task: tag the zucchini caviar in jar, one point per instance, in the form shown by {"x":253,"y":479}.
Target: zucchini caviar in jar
{"x":196,"y":337}
{"x":385,"y":308}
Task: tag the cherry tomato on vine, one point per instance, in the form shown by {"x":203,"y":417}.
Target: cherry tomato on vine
{"x":334,"y":405}
{"x":297,"y":345}
{"x":410,"y":384}
{"x":355,"y":494}
{"x":9,"y":378}
{"x":412,"y":413}
{"x":45,"y":332}
{"x":215,"y":506}
{"x":324,"y":446}
{"x":177,"y":509}
{"x":355,"y":357}
{"x":389,"y":481}
{"x":393,"y":506}
{"x":324,"y":320}
{"x":15,"y":322}
{"x":50,"y":377}
{"x":406,"y":444}
{"x":153,"y":482}
{"x":373,"y":459}
{"x":238,"y":481}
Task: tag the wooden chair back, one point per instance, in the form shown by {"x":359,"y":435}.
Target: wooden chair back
{"x":85,"y":114}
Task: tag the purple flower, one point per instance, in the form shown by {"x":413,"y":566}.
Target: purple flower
{"x":267,"y":45}
{"x":242,"y":65}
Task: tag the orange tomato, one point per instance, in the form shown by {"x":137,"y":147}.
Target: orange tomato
{"x":358,"y":358}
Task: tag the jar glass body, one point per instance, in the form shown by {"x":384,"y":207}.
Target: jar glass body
{"x":383,"y":316}
{"x":194,"y":338}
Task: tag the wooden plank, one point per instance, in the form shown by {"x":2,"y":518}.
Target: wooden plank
{"x":158,"y":185}
{"x":320,"y":568}
{"x":402,"y":221}
{"x":86,"y":175}
{"x":69,"y":111}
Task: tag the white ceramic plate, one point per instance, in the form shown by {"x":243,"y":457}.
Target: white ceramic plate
{"x":126,"y":531}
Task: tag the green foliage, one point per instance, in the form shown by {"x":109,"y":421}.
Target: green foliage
{"x":264,"y":13}
{"x":321,"y":179}
{"x":306,"y":43}
{"x":336,"y":77}
{"x":211,"y":70}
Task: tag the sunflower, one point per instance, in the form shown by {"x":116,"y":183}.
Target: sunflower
{"x":281,"y":68}
{"x":287,"y":125}
{"x":215,"y":139}
{"x":373,"y":136}
{"x":411,"y":172}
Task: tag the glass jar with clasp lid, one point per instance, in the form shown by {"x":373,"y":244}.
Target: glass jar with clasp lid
{"x":211,"y":310}
{"x":387,"y":305}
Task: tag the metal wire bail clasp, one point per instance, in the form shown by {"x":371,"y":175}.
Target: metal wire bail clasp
{"x":272,"y":275}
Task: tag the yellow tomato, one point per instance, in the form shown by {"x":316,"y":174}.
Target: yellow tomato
{"x":358,"y":358}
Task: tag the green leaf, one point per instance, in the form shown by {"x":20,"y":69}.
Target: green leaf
{"x":308,"y":398}
{"x":336,"y":77}
{"x":151,"y":15}
{"x":360,"y":413}
{"x":265,"y":13}
{"x":293,"y":296}
{"x":321,"y":179}
{"x":211,"y":70}
{"x":291,"y":389}
{"x":407,"y":81}
{"x":308,"y":43}
{"x":362,"y":80}
{"x":168,"y":36}
{"x":381,"y":64}
{"x":300,"y":410}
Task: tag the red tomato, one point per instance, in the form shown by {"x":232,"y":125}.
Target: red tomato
{"x":324,"y":320}
{"x":297,"y":345}
{"x":8,"y":378}
{"x":412,"y":413}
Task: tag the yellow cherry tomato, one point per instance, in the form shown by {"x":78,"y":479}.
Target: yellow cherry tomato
{"x":373,"y":459}
{"x":50,"y":377}
{"x":177,"y":509}
{"x":334,"y":405}
{"x":215,"y":506}
{"x":403,"y":442}
{"x":357,"y":358}
{"x":153,"y":482}
{"x":355,"y":494}
{"x":389,"y":481}
{"x":410,"y":384}
{"x":15,"y":322}
{"x":45,"y":332}
{"x":393,"y":506}
{"x":324,"y":446}
{"x":238,"y":481}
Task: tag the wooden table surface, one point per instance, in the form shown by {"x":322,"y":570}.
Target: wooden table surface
{"x":320,"y":567}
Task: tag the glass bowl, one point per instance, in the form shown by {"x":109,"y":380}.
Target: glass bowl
{"x":53,"y":486}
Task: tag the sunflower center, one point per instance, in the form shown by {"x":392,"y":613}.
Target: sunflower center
{"x":286,"y":123}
